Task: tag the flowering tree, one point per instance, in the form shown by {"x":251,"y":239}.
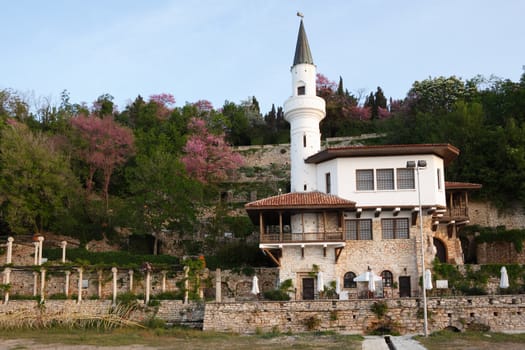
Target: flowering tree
{"x":107,"y":145}
{"x":165,"y":104}
{"x":208,"y":156}
{"x":324,"y":86}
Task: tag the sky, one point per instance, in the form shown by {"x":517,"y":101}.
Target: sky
{"x":230,"y":50}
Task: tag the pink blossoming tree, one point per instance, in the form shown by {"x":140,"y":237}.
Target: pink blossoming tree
{"x":207,"y":156}
{"x":107,"y":145}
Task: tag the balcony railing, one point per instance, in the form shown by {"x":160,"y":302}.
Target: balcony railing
{"x":458,"y":212}
{"x":332,"y":236}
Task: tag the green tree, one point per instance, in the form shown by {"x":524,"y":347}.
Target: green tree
{"x":36,"y":181}
{"x":163,"y":197}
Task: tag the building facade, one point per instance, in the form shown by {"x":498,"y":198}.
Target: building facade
{"x":357,"y":211}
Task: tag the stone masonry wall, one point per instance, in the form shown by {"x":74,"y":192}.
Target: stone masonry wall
{"x":485,"y":214}
{"x":499,"y":253}
{"x":171,"y":311}
{"x":500,"y":313}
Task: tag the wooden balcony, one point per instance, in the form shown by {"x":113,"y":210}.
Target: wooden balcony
{"x":302,"y":237}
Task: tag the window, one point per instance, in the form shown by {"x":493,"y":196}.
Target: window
{"x":304,"y":140}
{"x":348,"y":280}
{"x":301,"y":90}
{"x":385,"y":179}
{"x":328,"y":182}
{"x":358,"y":229}
{"x":405,"y":179}
{"x":439,"y":178}
{"x":388,"y":278}
{"x":395,"y":228}
{"x":364,"y":179}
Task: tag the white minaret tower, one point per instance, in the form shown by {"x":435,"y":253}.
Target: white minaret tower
{"x":303,"y":110}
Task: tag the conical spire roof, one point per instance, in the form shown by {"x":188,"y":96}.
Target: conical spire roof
{"x":302,"y":49}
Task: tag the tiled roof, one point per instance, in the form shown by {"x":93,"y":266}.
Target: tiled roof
{"x":443,"y":150}
{"x":301,"y":200}
{"x":449,"y":185}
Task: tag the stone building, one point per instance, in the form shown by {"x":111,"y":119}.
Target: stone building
{"x":357,"y":211}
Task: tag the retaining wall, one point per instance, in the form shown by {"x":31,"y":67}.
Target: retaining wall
{"x":500,"y":313}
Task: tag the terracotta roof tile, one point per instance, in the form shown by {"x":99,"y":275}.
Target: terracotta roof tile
{"x":301,"y":200}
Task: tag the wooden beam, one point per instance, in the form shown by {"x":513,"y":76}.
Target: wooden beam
{"x":338,"y":251}
{"x":377,"y":212}
{"x":415,"y":211}
{"x":275,"y":260}
{"x":280,"y":226}
{"x":358,"y":212}
{"x":396,"y":211}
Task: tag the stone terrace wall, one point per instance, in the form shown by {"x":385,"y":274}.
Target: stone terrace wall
{"x":171,"y":311}
{"x":500,"y":313}
{"x":499,"y":253}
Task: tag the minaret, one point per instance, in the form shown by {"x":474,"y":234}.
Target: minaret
{"x":303,"y":110}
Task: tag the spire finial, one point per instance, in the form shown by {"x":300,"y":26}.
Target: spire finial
{"x":300,"y":14}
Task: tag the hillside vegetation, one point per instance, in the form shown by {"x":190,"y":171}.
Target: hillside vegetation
{"x":154,"y":169}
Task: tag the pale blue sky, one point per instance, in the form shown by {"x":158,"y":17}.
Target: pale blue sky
{"x":231,"y":49}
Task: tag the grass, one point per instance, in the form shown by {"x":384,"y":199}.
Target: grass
{"x":181,"y":338}
{"x":472,"y":340}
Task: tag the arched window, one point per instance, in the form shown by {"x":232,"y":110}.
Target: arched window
{"x":388,"y":278}
{"x":348,"y":280}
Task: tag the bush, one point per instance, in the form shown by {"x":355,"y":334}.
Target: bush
{"x":167,"y":296}
{"x":379,"y":308}
{"x":127,"y":298}
{"x":112,"y":258}
{"x":57,"y":296}
{"x":276,"y":295}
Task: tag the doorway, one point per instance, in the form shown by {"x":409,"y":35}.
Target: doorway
{"x":441,"y":250}
{"x":404,"y":287}
{"x":308,"y":289}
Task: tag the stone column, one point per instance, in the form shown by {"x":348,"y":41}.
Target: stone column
{"x":148,"y":282}
{"x":63,"y":244}
{"x":100,"y":278}
{"x":42,"y":284}
{"x":37,"y":245}
{"x":130,"y":273}
{"x":80,"y":270}
{"x":164,"y":281}
{"x":40,"y":246}
{"x":35,"y":283}
{"x":9,"y":250}
{"x":218,"y":296}
{"x":114,"y":270}
{"x":186,"y":284}
{"x":66,"y":285}
{"x":7,"y":280}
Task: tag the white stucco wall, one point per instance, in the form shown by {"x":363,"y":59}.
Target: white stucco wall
{"x":343,"y":178}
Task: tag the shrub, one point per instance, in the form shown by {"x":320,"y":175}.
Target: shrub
{"x":276,"y":295}
{"x":312,"y":323}
{"x":127,"y":298}
{"x":167,"y":296}
{"x":379,"y":308}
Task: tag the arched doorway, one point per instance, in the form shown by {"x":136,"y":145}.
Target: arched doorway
{"x":441,"y":250}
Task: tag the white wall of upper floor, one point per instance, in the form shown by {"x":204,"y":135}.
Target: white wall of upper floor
{"x":343,"y":181}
